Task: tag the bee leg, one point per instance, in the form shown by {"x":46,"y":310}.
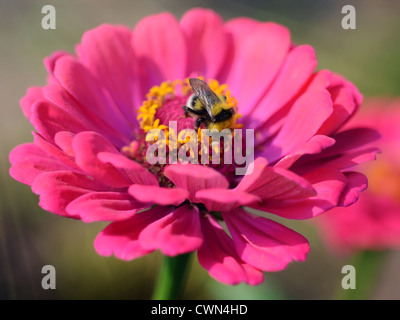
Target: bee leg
{"x":198,"y":123}
{"x":193,"y":111}
{"x":185,"y":110}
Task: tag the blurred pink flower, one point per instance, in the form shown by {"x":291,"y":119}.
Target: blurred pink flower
{"x":86,"y":161}
{"x":373,"y":223}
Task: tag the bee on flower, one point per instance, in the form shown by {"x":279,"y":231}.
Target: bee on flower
{"x":88,"y":158}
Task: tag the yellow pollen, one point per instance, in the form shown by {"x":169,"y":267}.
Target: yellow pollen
{"x":155,"y":99}
{"x":167,"y":90}
{"x":131,"y":150}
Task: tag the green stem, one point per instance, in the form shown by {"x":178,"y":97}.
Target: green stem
{"x":172,"y":277}
{"x":368,"y":265}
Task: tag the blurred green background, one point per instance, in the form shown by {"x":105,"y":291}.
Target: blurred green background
{"x":31,"y":238}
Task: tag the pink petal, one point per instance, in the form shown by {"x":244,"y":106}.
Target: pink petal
{"x":54,"y":151}
{"x":271,"y":183}
{"x":346,"y":152}
{"x":351,"y":139}
{"x":50,"y":61}
{"x":356,"y":182}
{"x":78,"y":81}
{"x":157,"y":195}
{"x":297,"y":69}
{"x":86,"y":146}
{"x":160,"y":50}
{"x":358,"y":97}
{"x":240,"y":28}
{"x":346,"y":101}
{"x":195,"y":177}
{"x":329,"y":185}
{"x":28,"y":161}
{"x":107,"y":53}
{"x":24,"y":152}
{"x":206,"y":41}
{"x":263,"y":243}
{"x":63,"y":139}
{"x":315,"y":145}
{"x":33,"y":95}
{"x":176,"y":233}
{"x":57,"y":189}
{"x":225,"y":199}
{"x":352,"y":159}
{"x":104,"y":206}
{"x":49,"y":119}
{"x":218,"y":256}
{"x":303,"y":121}
{"x":269,"y":129}
{"x":370,"y":224}
{"x":237,"y":29}
{"x":259,"y":55}
{"x":121,"y":238}
{"x":133,"y":171}
{"x":87,"y":115}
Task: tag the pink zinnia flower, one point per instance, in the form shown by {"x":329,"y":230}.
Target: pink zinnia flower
{"x":373,"y":223}
{"x":87,"y":160}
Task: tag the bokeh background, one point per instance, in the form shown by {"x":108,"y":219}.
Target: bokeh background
{"x":31,"y":238}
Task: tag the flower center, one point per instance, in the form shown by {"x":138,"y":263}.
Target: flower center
{"x":169,"y":131}
{"x":383,"y":180}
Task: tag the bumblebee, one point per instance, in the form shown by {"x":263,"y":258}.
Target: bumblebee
{"x":208,"y":108}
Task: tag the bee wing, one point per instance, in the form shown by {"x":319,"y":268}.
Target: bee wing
{"x":206,"y":96}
